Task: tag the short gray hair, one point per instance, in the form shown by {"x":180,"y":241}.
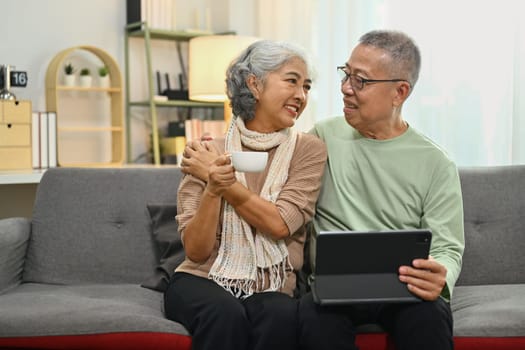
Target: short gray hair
{"x":259,"y":59}
{"x":405,"y":55}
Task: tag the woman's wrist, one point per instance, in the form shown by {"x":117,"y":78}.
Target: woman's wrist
{"x":237,"y":194}
{"x":210,"y":194}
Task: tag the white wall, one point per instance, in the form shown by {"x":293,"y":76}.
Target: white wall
{"x":34,"y":31}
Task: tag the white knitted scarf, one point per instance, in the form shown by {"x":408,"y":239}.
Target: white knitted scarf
{"x":244,"y":260}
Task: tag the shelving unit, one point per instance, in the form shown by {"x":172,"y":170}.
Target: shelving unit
{"x":114,"y":130}
{"x":141,"y":30}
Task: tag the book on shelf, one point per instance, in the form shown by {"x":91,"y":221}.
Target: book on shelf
{"x":182,"y":131}
{"x":196,"y":128}
{"x":44,"y":139}
{"x":52,"y":139}
{"x":213,"y":128}
{"x":159,"y":14}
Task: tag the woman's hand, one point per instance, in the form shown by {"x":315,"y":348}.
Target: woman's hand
{"x":221,"y":176}
{"x":200,"y":233}
{"x":198,"y":158}
{"x":426,"y":278}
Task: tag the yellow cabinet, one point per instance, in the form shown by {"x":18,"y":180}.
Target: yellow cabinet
{"x":15,"y":135}
{"x":86,"y":137}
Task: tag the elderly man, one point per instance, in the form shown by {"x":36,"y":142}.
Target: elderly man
{"x":383,"y":174}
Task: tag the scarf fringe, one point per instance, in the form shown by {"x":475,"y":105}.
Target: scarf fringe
{"x":238,"y":288}
{"x":245,"y":288}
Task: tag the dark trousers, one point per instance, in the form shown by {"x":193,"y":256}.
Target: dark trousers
{"x":415,"y":326}
{"x":218,"y":320}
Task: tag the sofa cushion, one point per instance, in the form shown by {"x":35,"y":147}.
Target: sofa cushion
{"x":489,"y":310}
{"x":166,"y":235}
{"x":34,"y":309}
{"x":92,"y":225}
{"x":14,"y":234}
{"x":494,"y":214}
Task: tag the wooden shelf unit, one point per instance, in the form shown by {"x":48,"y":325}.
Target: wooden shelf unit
{"x":141,"y":30}
{"x":116,"y":129}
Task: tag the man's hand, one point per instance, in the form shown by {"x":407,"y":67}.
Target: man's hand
{"x":221,"y":176}
{"x":426,"y":278}
{"x":198,"y":157}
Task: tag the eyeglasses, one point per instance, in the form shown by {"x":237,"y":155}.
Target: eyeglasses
{"x":357,"y":82}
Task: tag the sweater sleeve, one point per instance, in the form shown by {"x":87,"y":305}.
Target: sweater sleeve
{"x":443,"y":214}
{"x":188,"y":200}
{"x":296,"y":202}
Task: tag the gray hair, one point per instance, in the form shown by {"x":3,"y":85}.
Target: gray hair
{"x":259,"y":59}
{"x":404,"y":53}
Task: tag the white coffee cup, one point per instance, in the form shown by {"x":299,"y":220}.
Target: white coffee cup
{"x":249,"y":161}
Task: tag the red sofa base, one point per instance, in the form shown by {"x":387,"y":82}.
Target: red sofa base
{"x":109,"y":341}
{"x":167,"y":341}
{"x":381,"y":341}
{"x":492,"y":343}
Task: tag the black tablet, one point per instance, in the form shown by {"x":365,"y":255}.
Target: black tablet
{"x":362,"y":266}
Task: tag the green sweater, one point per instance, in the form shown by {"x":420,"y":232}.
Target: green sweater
{"x":401,"y":183}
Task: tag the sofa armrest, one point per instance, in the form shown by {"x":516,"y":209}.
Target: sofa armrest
{"x":14,"y":237}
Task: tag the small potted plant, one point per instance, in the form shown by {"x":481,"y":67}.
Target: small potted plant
{"x":69,"y":77}
{"x":85,"y":77}
{"x":103,"y":77}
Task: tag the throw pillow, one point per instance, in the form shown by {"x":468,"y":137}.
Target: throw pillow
{"x":166,"y":235}
{"x":14,"y":238}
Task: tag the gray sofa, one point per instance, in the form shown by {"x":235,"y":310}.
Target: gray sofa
{"x":489,"y":300}
{"x":87,"y":270}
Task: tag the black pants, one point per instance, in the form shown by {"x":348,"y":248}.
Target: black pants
{"x":415,"y":326}
{"x":218,"y":320}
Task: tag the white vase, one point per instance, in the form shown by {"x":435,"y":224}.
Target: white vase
{"x":69,"y":80}
{"x":85,"y":80}
{"x":103,"y":82}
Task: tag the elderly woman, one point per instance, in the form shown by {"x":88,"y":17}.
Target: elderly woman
{"x":243,"y":233}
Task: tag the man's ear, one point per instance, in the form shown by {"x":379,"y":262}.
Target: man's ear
{"x":402,"y":93}
{"x":253,"y":85}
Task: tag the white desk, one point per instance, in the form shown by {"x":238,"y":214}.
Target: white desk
{"x":9,"y":177}
{"x":17,"y":192}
